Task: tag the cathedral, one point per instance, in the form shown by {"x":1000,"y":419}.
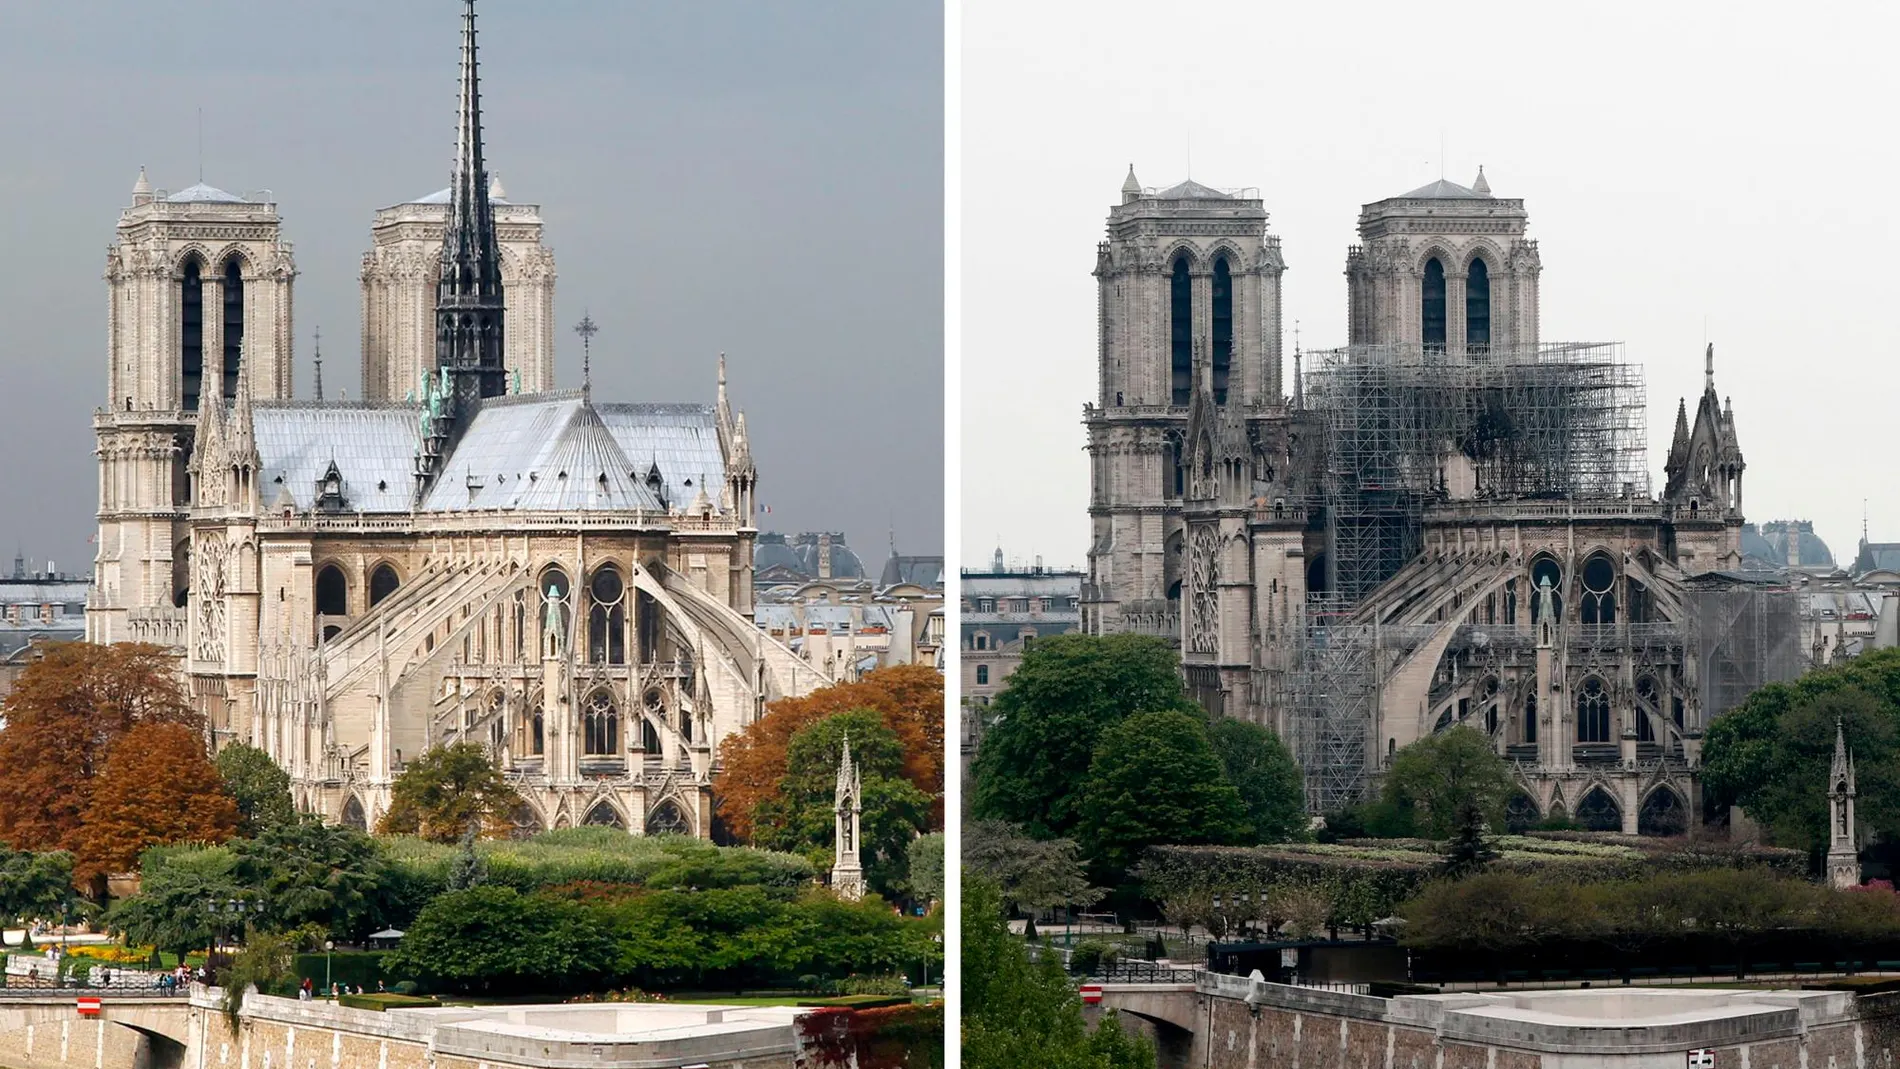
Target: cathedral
{"x":464,"y":554}
{"x":1447,"y":521}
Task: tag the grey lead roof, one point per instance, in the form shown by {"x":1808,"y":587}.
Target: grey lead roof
{"x":1192,"y":190}
{"x":511,"y":456}
{"x":1443,"y":190}
{"x":202,"y":193}
{"x":540,"y":454}
{"x":441,"y":196}
{"x":371,"y":443}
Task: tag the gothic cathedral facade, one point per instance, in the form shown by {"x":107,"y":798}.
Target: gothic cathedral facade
{"x":464,"y":555}
{"x":1444,"y":522}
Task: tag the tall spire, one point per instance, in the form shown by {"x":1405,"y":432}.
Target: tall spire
{"x":587,"y":329}
{"x":318,"y":343}
{"x":1708,"y":369}
{"x":469,"y":297}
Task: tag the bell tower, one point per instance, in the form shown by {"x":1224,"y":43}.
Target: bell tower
{"x":198,"y":299}
{"x":1185,"y":270}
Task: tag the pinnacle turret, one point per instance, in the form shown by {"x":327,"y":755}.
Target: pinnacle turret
{"x":469,"y":296}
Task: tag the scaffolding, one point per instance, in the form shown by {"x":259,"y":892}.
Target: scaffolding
{"x":1408,"y":427}
{"x":1746,"y":636}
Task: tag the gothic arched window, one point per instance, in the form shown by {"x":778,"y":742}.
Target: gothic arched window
{"x":1478,"y":307}
{"x":1599,"y":590}
{"x":233,"y":324}
{"x":333,"y":592}
{"x":607,"y":617}
{"x":1593,"y":712}
{"x":1546,"y":569}
{"x":1181,"y":329}
{"x":382,"y":583}
{"x":1432,"y":306}
{"x":1530,"y":718}
{"x":553,"y":585}
{"x":601,"y":726}
{"x":191,"y":318}
{"x":649,"y":736}
{"x":538,"y":745}
{"x":1222,"y":334}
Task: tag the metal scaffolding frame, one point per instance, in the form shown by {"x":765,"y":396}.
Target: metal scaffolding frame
{"x":1407,"y":425}
{"x":1405,"y":428}
{"x":1745,"y":637}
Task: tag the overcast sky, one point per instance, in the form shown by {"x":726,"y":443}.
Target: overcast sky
{"x":754,"y":177}
{"x":1692,"y":171}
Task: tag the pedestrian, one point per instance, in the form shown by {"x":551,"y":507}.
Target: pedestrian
{"x":306,"y":990}
{"x":380,"y":989}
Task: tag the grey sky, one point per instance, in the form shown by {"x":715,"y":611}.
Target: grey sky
{"x":1680,"y":162}
{"x":754,"y":177}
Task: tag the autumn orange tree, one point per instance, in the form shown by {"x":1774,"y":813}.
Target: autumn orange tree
{"x":753,"y":762}
{"x":157,"y":787}
{"x":64,"y":716}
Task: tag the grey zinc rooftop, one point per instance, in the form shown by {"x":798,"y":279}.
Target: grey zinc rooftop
{"x":682,"y":440}
{"x":374,"y":446}
{"x":538,"y":453}
{"x":1443,"y":190}
{"x":202,"y":194}
{"x":1192,"y":190}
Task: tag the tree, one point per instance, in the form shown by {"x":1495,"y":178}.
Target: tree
{"x":1436,"y":776}
{"x":753,"y":762}
{"x":63,"y":717}
{"x":1017,"y":1012}
{"x":1067,"y":691}
{"x":497,"y":940}
{"x":1262,"y":769}
{"x":310,"y":873}
{"x":1154,"y":780}
{"x":260,"y":787}
{"x":1029,"y":874}
{"x":35,"y":886}
{"x":445,"y":790}
{"x":467,"y":870}
{"x":1776,"y":761}
{"x":177,"y":889}
{"x":801,"y":817}
{"x":926,"y":867}
{"x":156,"y":787}
{"x":1469,"y":849}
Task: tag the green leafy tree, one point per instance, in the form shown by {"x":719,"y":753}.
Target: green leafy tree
{"x":926,"y":867}
{"x":177,"y":887}
{"x":1155,"y":780}
{"x":260,"y":787}
{"x":1017,"y":1012}
{"x":1440,"y":775}
{"x":467,"y":870}
{"x":445,"y":790}
{"x":1262,"y":769}
{"x":35,"y":886}
{"x":1469,"y":850}
{"x":1068,"y":690}
{"x":1774,"y":762}
{"x":496,"y":940}
{"x":267,"y":962}
{"x":801,"y":818}
{"x":1030,"y":874}
{"x":308,"y":873}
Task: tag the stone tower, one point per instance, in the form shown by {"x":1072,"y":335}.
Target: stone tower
{"x":847,"y":873}
{"x":400,"y":275}
{"x":1445,"y":267}
{"x":199,"y":301}
{"x":1187,"y":270}
{"x":1843,"y":855}
{"x":1703,"y":494}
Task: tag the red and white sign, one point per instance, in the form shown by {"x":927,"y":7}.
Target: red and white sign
{"x":88,"y":1005}
{"x":1702,"y":1058}
{"x":1091,"y":993}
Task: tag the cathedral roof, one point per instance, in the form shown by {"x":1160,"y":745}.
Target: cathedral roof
{"x":1190,"y":190}
{"x":374,"y":446}
{"x":441,"y":196}
{"x":541,"y":454}
{"x":204,"y":194}
{"x":1444,"y":190}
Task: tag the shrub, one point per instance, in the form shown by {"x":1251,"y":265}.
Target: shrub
{"x":1090,"y":955}
{"x":382,"y":1002}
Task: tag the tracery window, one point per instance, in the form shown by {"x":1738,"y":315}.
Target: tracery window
{"x":233,"y":324}
{"x":1546,"y":569}
{"x":1222,"y":334}
{"x":1181,"y":330}
{"x":607,"y":617}
{"x":1593,"y":712}
{"x":1599,"y":590}
{"x":554,"y":586}
{"x":600,"y":727}
{"x":1478,"y":307}
{"x":191,"y":362}
{"x":1432,"y":305}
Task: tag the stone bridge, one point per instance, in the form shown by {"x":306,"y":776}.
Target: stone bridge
{"x":46,"y":1031}
{"x":1233,"y":1022}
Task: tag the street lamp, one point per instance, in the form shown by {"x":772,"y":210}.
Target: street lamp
{"x":329,"y":948}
